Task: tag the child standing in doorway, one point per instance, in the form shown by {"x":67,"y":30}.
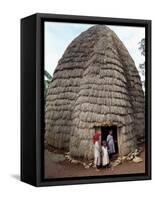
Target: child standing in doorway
{"x":105,"y":155}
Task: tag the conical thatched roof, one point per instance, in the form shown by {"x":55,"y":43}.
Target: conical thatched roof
{"x":95,"y":83}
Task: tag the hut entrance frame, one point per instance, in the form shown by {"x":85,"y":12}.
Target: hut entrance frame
{"x":116,"y":135}
{"x":105,"y":131}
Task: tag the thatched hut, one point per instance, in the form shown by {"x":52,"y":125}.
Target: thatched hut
{"x":95,"y":86}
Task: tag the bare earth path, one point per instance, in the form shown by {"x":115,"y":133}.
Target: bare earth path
{"x":57,"y":166}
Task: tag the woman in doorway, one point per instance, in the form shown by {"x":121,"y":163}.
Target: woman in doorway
{"x":97,"y":150}
{"x":111,"y":144}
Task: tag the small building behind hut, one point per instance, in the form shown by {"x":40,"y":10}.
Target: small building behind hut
{"x":95,"y":85}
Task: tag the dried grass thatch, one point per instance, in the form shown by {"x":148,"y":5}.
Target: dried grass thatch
{"x":95,"y":83}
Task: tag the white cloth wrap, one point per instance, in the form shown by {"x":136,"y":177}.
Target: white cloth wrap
{"x":97,"y":155}
{"x":111,"y":145}
{"x":105,"y":156}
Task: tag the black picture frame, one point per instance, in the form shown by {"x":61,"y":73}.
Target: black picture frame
{"x":32,"y":101}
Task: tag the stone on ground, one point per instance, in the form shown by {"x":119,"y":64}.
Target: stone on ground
{"x":137,"y":159}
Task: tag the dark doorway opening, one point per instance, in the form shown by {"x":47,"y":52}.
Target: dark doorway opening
{"x":104,"y":133}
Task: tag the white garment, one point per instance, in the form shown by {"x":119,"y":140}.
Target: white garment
{"x":97,"y":156}
{"x":111,"y":145}
{"x":105,"y":156}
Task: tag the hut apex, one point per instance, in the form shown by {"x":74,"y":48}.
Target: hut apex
{"x":95,"y":85}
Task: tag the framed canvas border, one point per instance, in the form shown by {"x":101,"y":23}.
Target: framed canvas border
{"x":32,"y":99}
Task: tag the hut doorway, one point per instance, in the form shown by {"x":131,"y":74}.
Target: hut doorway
{"x":104,"y":133}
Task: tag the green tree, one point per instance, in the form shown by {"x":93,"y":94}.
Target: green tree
{"x":47,"y":80}
{"x":47,"y":75}
{"x":142,"y":65}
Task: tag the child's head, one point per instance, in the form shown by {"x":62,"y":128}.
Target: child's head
{"x":110,"y":132}
{"x":104,"y":143}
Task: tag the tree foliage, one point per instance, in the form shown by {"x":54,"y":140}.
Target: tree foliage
{"x":142,"y":46}
{"x":47,"y":80}
{"x":47,"y":75}
{"x":142,"y":65}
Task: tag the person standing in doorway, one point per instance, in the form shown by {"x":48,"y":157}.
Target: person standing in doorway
{"x":111,"y":144}
{"x":105,"y":155}
{"x":97,"y":150}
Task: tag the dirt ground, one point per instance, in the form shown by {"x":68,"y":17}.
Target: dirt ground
{"x":56,"y":166}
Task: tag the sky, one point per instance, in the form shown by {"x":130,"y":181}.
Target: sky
{"x":59,"y":35}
